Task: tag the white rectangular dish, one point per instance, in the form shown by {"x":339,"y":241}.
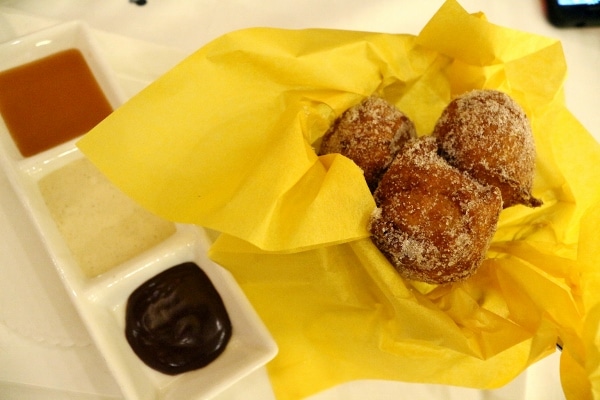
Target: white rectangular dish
{"x":101,"y":299}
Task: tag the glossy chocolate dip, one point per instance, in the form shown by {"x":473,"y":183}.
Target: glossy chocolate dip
{"x":176,"y":321}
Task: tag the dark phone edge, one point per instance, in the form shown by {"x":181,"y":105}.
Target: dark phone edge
{"x":577,"y":16}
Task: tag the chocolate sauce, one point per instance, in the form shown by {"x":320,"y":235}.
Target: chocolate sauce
{"x":176,"y":321}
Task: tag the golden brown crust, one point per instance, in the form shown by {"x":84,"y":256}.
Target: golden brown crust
{"x":370,"y":134}
{"x":433,"y":222}
{"x":487,"y":134}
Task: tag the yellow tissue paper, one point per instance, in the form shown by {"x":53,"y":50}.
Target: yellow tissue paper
{"x":226,"y":140}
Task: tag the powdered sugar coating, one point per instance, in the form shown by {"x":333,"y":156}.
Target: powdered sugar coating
{"x":370,"y":134}
{"x":487,"y":134}
{"x":433,"y":222}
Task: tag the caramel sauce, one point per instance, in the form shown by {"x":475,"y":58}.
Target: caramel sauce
{"x":50,"y":101}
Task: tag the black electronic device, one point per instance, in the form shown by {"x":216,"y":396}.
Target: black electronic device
{"x":573,"y":13}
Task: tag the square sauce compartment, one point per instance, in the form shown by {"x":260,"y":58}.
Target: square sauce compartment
{"x":104,"y":246}
{"x":54,"y":87}
{"x":101,"y":226}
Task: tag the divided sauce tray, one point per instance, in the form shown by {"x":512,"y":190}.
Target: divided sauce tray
{"x":101,"y":300}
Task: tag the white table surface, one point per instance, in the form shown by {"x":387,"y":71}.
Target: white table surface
{"x":45,"y":352}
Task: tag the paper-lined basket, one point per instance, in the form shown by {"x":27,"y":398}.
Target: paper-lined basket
{"x":226,"y":140}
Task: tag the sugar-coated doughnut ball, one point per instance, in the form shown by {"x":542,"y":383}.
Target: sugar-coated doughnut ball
{"x":487,"y":134}
{"x":370,"y":134}
{"x":433,"y":222}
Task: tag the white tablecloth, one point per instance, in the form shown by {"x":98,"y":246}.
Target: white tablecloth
{"x":45,"y":352}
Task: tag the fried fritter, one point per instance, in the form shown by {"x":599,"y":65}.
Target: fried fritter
{"x":487,"y":134}
{"x":433,"y":222}
{"x":369,"y":134}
